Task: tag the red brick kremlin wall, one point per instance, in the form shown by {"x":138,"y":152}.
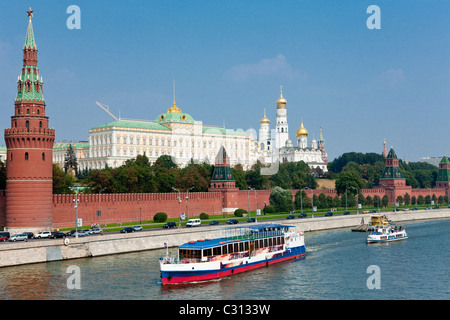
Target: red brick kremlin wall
{"x":117,"y":208}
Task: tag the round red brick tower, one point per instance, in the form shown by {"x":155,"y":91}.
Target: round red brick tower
{"x":29,"y":143}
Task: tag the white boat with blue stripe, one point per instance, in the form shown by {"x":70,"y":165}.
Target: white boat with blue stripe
{"x":238,"y":249}
{"x":387,"y":234}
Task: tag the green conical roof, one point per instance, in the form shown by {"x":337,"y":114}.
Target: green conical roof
{"x":444,"y":171}
{"x":29,"y":40}
{"x":445,"y":160}
{"x":391,"y":154}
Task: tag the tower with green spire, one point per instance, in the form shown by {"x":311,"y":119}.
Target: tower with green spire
{"x":29,"y":142}
{"x":222,"y":181}
{"x":443,"y":177}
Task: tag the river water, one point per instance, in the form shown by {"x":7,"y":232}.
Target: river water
{"x":335,"y":267}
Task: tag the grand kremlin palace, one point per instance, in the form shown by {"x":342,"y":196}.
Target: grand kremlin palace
{"x":178,"y":135}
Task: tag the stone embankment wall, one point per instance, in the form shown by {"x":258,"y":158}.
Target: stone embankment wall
{"x":50,"y":250}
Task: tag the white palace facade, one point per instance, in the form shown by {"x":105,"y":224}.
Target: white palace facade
{"x":186,"y":140}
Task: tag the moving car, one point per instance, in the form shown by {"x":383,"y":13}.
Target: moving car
{"x":346,"y":213}
{"x":127,"y":230}
{"x":193,"y":223}
{"x":19,"y":237}
{"x":169,"y":225}
{"x":232,"y":221}
{"x":3,"y":238}
{"x":329,"y":214}
{"x":214,"y":222}
{"x":81,"y":233}
{"x":137,"y":228}
{"x":291,"y":216}
{"x":251,"y":220}
{"x":302,"y":215}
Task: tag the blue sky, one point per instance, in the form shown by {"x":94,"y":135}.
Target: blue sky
{"x":229,"y":58}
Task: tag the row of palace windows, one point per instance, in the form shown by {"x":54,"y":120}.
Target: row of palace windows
{"x":27,"y":156}
{"x":28,"y":111}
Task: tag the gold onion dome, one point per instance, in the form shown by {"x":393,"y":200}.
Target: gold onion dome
{"x":265,"y":119}
{"x":302,"y":132}
{"x":174,"y":108}
{"x":281,"y":102}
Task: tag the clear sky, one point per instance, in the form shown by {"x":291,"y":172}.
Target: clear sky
{"x":229,"y":58}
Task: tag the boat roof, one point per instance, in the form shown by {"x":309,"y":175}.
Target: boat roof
{"x":210,"y":243}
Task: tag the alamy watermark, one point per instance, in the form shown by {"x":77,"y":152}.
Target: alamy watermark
{"x":374,"y":280}
{"x":74,"y":280}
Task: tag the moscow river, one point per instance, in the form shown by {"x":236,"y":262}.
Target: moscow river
{"x":338,"y":265}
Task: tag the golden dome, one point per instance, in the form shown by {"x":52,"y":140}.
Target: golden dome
{"x":302,"y":132}
{"x":174,"y":109}
{"x":281,"y":102}
{"x":264,"y":120}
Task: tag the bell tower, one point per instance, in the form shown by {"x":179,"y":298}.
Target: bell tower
{"x":29,"y":143}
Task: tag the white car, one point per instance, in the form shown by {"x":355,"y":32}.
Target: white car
{"x":193,"y":223}
{"x":137,"y":228}
{"x":19,"y":237}
{"x":95,"y":231}
{"x":43,"y":234}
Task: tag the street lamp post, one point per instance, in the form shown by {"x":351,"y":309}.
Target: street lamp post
{"x":187,"y":205}
{"x":179,"y":206}
{"x":357,"y":192}
{"x":99,"y":212}
{"x":76,"y":201}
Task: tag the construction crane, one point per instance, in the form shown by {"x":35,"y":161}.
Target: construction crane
{"x":106,"y":108}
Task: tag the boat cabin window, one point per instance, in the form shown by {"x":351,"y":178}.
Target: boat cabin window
{"x":190,"y":254}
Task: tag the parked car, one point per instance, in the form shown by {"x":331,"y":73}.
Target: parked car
{"x":5,"y":234}
{"x":70,"y":233}
{"x":251,"y":220}
{"x":58,"y":235}
{"x":137,"y":228}
{"x":214,"y":222}
{"x":43,"y":234}
{"x":127,"y":230}
{"x":81,"y":233}
{"x":3,"y":238}
{"x":232,"y":221}
{"x":291,"y":216}
{"x":95,"y":231}
{"x":302,"y":215}
{"x":193,"y":223}
{"x":19,"y":237}
{"x":29,"y":234}
{"x":329,"y":214}
{"x":169,"y":225}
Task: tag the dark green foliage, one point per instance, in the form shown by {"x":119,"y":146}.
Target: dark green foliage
{"x":239,"y":212}
{"x":204,"y":216}
{"x":160,"y":217}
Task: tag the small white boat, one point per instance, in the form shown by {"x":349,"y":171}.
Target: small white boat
{"x":387,"y":234}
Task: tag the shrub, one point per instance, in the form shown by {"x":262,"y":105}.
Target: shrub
{"x":239,"y":212}
{"x":204,"y":216}
{"x":160,"y":217}
{"x":269,"y":209}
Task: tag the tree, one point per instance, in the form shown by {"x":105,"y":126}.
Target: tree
{"x":70,"y":160}
{"x":348,"y":180}
{"x":62,"y":182}
{"x":281,"y":199}
{"x":385,"y":201}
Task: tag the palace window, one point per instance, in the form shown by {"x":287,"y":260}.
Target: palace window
{"x":26,"y":155}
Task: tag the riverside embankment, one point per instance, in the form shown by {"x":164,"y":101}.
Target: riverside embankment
{"x":51,"y":250}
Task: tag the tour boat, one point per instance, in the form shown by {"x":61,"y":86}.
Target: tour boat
{"x":238,"y":249}
{"x":387,"y":234}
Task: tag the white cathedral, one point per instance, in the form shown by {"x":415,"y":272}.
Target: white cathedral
{"x":276,"y":146}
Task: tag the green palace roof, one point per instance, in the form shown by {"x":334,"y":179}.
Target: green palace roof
{"x":133,"y":124}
